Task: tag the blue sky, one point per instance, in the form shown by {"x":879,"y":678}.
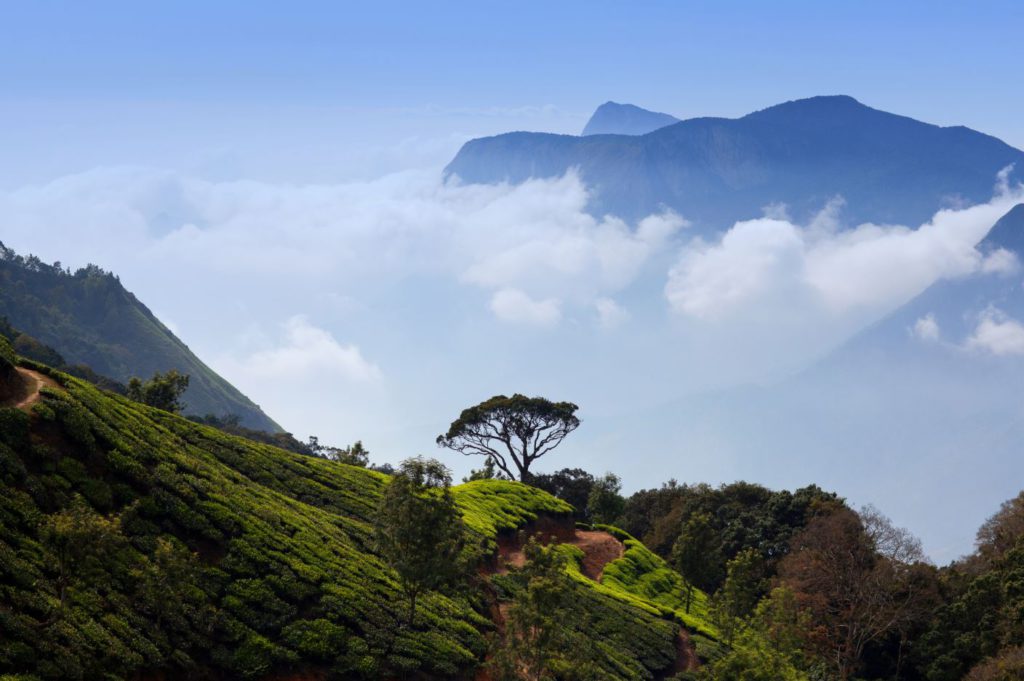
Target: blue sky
{"x":266,"y":180}
{"x":326,"y":90}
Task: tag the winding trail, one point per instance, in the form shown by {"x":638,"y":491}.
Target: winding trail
{"x":27,"y":394}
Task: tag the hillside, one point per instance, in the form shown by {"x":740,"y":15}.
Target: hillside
{"x":714,"y":171}
{"x":89,"y":318}
{"x":134,"y":543}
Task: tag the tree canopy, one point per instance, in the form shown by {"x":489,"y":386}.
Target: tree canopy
{"x":513,"y":432}
{"x":419,"y":529}
{"x":163,"y":391}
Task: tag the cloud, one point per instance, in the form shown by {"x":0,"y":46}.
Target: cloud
{"x":305,"y":351}
{"x":1001,"y":261}
{"x":856,"y":273}
{"x":709,"y":280}
{"x":997,"y":334}
{"x":514,"y":306}
{"x":926,"y":328}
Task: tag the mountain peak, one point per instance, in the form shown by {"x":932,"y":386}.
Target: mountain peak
{"x":613,"y":118}
{"x":820,"y":106}
{"x":1008,"y":232}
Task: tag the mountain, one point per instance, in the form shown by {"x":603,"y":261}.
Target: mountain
{"x":612,"y":118}
{"x":89,"y":318}
{"x":715,"y":171}
{"x":927,"y":401}
{"x":138,"y":544}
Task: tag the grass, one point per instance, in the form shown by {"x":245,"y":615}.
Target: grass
{"x":273,"y":566}
{"x":233,"y":558}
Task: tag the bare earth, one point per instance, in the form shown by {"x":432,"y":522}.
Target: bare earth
{"x":28,"y":393}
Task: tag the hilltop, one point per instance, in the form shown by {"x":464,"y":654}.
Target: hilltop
{"x":612,"y":118}
{"x":89,"y":318}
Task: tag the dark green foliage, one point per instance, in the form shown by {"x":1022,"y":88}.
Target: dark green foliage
{"x":90,"y":319}
{"x":232,"y":424}
{"x":982,"y":616}
{"x":511,"y":431}
{"x":743,"y":588}
{"x":419,"y":530}
{"x":354,"y":455}
{"x":696,"y":555}
{"x":7,"y":357}
{"x":30,"y":348}
{"x":571,"y":484}
{"x":217,"y":555}
{"x":604,"y":503}
{"x":743,"y":515}
{"x":488,"y":472}
{"x":588,"y":632}
{"x":542,"y":637}
{"x":162,"y":391}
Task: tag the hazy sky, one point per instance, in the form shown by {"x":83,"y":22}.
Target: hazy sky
{"x":269,"y":184}
{"x":332,"y":90}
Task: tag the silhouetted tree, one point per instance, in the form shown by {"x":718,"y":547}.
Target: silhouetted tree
{"x":511,"y":431}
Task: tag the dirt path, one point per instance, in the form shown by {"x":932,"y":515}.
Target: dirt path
{"x":686,"y":653}
{"x":599,"y":549}
{"x":28,"y":393}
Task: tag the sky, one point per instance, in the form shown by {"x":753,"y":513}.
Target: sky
{"x":268,"y":182}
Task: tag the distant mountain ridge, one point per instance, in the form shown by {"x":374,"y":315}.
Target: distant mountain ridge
{"x":612,"y":118}
{"x":715,"y":171}
{"x":89,"y":318}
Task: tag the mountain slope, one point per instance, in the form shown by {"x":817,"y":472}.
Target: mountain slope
{"x":612,"y":118}
{"x":137,"y":544}
{"x":714,"y":171}
{"x":89,"y":318}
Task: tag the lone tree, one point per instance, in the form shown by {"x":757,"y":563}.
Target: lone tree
{"x":419,"y":529}
{"x":515,"y":429}
{"x":163,"y":391}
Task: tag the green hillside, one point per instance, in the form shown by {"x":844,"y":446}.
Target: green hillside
{"x":89,"y":318}
{"x":137,"y":543}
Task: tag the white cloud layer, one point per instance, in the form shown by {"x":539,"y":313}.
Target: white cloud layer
{"x":997,"y":334}
{"x":862,"y":271}
{"x":304,"y":351}
{"x":422,"y":296}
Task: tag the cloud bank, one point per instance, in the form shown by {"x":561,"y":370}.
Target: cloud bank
{"x":858,"y":272}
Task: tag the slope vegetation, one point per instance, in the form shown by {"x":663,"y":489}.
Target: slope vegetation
{"x":89,"y":318}
{"x":134,"y":543}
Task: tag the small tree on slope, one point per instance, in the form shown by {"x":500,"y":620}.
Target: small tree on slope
{"x":419,"y":529}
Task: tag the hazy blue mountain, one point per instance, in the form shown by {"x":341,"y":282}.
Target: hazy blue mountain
{"x":612,"y":118}
{"x":714,"y":171}
{"x":89,"y":318}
